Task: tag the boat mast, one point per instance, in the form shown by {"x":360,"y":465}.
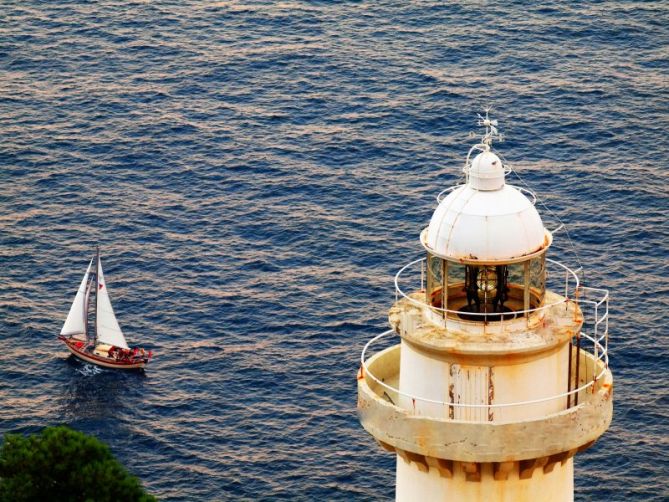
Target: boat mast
{"x":89,"y":285}
{"x":97,"y":287}
{"x":87,"y":302}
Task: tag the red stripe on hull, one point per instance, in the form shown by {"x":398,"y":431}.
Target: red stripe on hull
{"x":101,"y":361}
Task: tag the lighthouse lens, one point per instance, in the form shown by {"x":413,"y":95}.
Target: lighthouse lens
{"x":487,"y":280}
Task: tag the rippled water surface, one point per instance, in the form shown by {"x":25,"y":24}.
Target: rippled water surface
{"x":255,"y":174}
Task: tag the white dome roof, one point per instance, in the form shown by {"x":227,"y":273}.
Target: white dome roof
{"x":484,"y":224}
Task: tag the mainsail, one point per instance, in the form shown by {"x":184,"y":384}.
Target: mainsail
{"x":107,"y":328}
{"x":75,"y":324}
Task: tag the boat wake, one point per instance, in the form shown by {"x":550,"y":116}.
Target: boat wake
{"x":89,"y":370}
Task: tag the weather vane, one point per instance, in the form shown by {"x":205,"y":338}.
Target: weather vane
{"x":491,"y":132}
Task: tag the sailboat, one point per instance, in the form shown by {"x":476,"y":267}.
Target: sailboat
{"x":104,"y":344}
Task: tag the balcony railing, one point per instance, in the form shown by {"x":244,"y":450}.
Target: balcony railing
{"x":591,"y":364}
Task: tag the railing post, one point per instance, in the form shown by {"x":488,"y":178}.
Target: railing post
{"x":422,"y":275}
{"x":569,"y":375}
{"x":578,"y":366}
{"x":596,"y":337}
{"x":606,"y":333}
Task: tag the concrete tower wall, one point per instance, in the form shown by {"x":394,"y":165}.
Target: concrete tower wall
{"x":439,"y":377}
{"x":416,"y":485}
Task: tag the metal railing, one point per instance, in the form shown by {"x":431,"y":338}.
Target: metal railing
{"x":594,"y":304}
{"x":600,"y":353}
{"x":571,"y":290}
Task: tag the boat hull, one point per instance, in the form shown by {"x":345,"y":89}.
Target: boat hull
{"x":105,"y":362}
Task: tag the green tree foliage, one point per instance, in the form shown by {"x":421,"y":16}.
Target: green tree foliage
{"x":60,"y":464}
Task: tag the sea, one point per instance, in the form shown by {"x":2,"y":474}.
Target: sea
{"x":255,"y":173}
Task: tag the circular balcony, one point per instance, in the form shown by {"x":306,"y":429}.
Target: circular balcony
{"x":414,"y":424}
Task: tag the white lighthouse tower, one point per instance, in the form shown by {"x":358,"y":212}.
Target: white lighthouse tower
{"x":501,"y":372}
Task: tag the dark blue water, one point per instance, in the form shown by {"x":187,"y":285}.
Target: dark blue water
{"x":255,"y":175}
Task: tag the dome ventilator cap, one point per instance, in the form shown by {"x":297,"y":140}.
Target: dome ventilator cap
{"x":486,"y":172}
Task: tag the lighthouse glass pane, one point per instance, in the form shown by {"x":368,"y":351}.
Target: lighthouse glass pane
{"x":513,"y":294}
{"x":538,"y":277}
{"x":516,"y":274}
{"x":456,"y":285}
{"x":434,"y":267}
{"x":456,"y":274}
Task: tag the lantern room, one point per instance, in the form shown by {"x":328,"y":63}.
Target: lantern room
{"x":486,"y":246}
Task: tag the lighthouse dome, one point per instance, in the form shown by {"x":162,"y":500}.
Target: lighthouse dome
{"x":485,"y":220}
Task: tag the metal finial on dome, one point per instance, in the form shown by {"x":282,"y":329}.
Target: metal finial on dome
{"x":491,"y":131}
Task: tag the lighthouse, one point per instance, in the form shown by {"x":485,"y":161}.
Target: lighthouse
{"x":494,"y":374}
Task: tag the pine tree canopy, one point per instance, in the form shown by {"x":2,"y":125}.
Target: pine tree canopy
{"x":61,"y":464}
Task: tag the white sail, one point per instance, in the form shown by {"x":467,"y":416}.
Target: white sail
{"x":108,"y":330}
{"x":75,"y":324}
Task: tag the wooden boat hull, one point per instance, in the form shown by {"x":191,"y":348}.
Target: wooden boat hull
{"x":106,"y":362}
